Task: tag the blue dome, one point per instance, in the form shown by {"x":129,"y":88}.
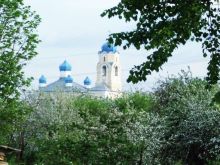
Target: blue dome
{"x":68,"y":79}
{"x":42,"y":79}
{"x":108,"y":48}
{"x":65,"y":66}
{"x":87,"y":81}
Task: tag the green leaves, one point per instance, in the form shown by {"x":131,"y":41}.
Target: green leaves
{"x":162,"y":26}
{"x":191,"y":120}
{"x":177,"y":122}
{"x":82,"y":129}
{"x":18,"y":42}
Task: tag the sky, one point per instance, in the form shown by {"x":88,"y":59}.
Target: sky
{"x":73,"y":30}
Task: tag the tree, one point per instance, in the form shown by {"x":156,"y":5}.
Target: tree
{"x":65,"y":129}
{"x":163,"y":25}
{"x":18,"y":42}
{"x":192,"y":122}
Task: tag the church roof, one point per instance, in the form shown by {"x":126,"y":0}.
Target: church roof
{"x":106,"y":47}
{"x":59,"y":85}
{"x":100,"y":87}
{"x":65,"y":66}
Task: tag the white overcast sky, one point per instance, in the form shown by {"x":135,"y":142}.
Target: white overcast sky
{"x":73,"y":30}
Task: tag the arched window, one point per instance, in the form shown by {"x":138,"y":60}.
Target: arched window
{"x":104,"y":59}
{"x":104,"y":70}
{"x":116,"y":71}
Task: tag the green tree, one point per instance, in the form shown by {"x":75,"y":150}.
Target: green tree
{"x":18,"y":41}
{"x":163,"y":25}
{"x":192,"y":133}
{"x":65,"y":129}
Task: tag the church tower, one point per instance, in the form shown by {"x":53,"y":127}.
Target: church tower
{"x":109,"y":68}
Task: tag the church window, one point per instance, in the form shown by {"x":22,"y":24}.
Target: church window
{"x":104,"y":70}
{"x":104,"y":59}
{"x":116,"y":71}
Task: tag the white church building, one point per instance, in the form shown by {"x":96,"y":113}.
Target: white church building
{"x":108,"y":77}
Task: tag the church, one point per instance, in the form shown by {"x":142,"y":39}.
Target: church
{"x":108,"y":77}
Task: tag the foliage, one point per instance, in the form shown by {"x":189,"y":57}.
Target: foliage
{"x":139,"y":101}
{"x":18,"y":42}
{"x":163,"y":25}
{"x":175,"y":124}
{"x":84,"y":130}
{"x":192,"y":122}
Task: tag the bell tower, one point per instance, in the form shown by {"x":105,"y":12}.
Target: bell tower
{"x":109,"y":68}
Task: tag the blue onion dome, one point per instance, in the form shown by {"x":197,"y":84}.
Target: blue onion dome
{"x":87,"y":81}
{"x":42,"y":79}
{"x":65,"y":66}
{"x":108,"y":48}
{"x":68,"y":79}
